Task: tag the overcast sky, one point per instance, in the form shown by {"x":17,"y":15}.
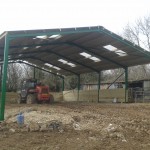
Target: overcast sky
{"x":42,"y":14}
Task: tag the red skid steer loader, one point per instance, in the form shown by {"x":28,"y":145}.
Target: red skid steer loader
{"x":33,"y":92}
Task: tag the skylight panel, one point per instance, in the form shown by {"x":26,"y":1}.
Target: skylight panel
{"x":115,"y":50}
{"x":67,"y":63}
{"x":55,"y":36}
{"x":37,"y":46}
{"x":71,"y":64}
{"x":95,"y":59}
{"x":110,"y":47}
{"x":57,"y":68}
{"x":20,"y":55}
{"x":46,"y":69}
{"x":86,"y":55}
{"x":25,"y":48}
{"x":121,"y":53}
{"x":27,"y":62}
{"x":42,"y":37}
{"x":51,"y":66}
{"x":63,"y":61}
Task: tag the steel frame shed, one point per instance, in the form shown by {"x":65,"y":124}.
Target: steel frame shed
{"x":61,"y":51}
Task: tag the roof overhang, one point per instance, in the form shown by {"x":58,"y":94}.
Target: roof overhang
{"x":73,"y":50}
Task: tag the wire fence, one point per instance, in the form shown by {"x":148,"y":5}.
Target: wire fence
{"x":141,"y":94}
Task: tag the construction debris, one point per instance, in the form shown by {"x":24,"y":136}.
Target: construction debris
{"x":85,"y":126}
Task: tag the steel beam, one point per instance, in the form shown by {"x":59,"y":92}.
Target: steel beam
{"x":81,"y":30}
{"x":1,"y":72}
{"x":34,"y":72}
{"x":55,"y":32}
{"x":78,"y":88}
{"x":54,"y":65}
{"x":34,"y":45}
{"x":147,"y":54}
{"x":4,"y":78}
{"x":95,"y":54}
{"x":124,"y":41}
{"x":60,"y":55}
{"x":99,"y":83}
{"x":63,"y":84}
{"x":74,"y":61}
{"x":33,"y":57}
{"x":37,"y":67}
{"x":41,"y":69}
{"x":81,"y":47}
{"x":1,"y":77}
{"x":126,"y":84}
{"x":115,"y":80}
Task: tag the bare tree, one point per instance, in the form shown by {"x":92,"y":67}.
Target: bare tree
{"x":132,"y":34}
{"x":15,"y":74}
{"x":139,"y":33}
{"x":144,"y":26}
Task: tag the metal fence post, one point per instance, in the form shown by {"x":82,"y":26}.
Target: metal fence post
{"x":4,"y":78}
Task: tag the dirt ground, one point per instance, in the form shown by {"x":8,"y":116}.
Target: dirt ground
{"x":77,"y":126}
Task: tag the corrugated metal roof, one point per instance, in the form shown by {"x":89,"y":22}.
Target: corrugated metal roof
{"x":43,"y":47}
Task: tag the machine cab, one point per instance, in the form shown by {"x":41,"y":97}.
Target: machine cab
{"x":27,"y":85}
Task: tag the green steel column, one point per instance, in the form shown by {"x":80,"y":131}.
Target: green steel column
{"x":99,"y":80}
{"x":4,"y":78}
{"x":34,"y":72}
{"x":78,"y":87}
{"x":1,"y":69}
{"x":126,"y":84}
{"x":63,"y":84}
{"x":1,"y":79}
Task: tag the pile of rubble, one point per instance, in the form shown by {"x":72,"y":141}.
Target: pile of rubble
{"x":114,"y":131}
{"x":35,"y":120}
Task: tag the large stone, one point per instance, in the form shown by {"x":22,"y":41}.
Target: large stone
{"x":33,"y":127}
{"x":54,"y":125}
{"x":12,"y":130}
{"x":76,"y":126}
{"x":112,"y":128}
{"x":44,"y":128}
{"x":92,"y":138}
{"x":76,"y":118}
{"x":24,"y":129}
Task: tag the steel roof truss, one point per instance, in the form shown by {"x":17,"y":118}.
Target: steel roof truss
{"x":98,"y":55}
{"x":55,"y":65}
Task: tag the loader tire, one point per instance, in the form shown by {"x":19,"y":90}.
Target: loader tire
{"x":31,"y":99}
{"x":51,"y":98}
{"x":19,"y":101}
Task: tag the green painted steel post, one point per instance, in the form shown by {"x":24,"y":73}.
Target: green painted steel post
{"x":99,"y":81}
{"x":4,"y":78}
{"x":63,"y":84}
{"x":1,"y":79}
{"x":34,"y":72}
{"x":78,"y":87}
{"x":1,"y":69}
{"x":126,"y":84}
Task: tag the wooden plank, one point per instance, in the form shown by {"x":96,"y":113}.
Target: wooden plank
{"x":58,"y":96}
{"x":107,"y":95}
{"x":71,"y":95}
